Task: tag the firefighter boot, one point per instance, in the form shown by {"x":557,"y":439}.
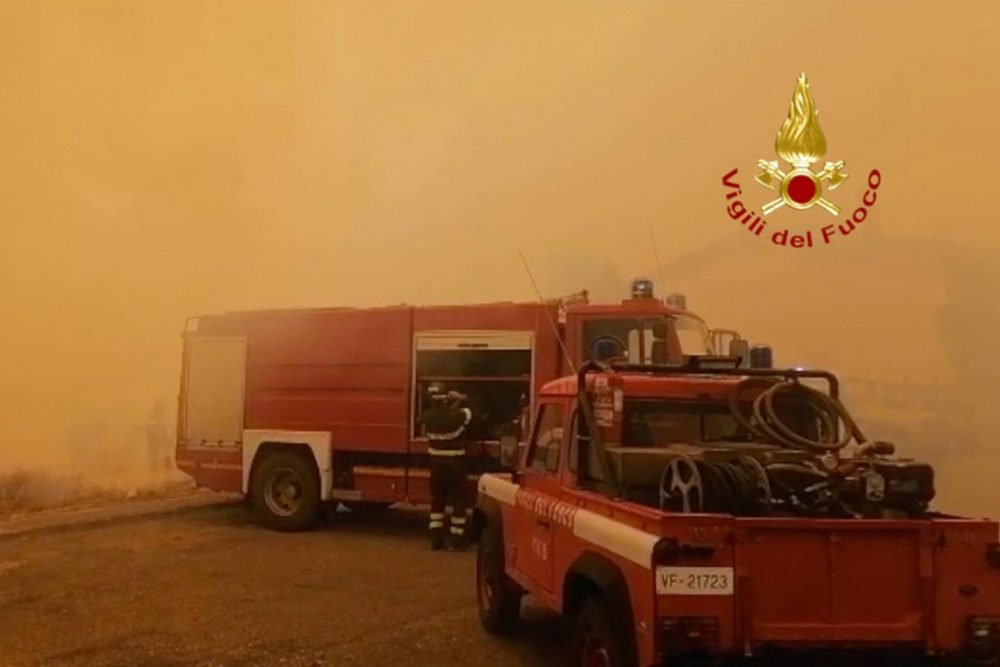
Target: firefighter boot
{"x":436,"y":527}
{"x":456,"y":537}
{"x":458,"y":543}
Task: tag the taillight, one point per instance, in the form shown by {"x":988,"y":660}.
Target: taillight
{"x":983,"y":637}
{"x":993,"y":555}
{"x":688,"y":634}
{"x":981,"y":627}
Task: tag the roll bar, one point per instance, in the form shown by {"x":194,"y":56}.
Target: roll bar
{"x":709,"y":366}
{"x":587,"y":409}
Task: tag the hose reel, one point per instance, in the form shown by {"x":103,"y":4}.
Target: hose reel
{"x":836,"y":427}
{"x":737,"y":486}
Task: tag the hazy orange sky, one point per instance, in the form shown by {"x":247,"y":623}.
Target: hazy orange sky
{"x":164,"y":159}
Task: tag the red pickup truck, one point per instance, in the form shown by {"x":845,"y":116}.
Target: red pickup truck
{"x":713,"y":512}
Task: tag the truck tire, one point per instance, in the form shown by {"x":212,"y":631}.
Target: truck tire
{"x":497,"y":595}
{"x":598,"y":639}
{"x":284,"y":491}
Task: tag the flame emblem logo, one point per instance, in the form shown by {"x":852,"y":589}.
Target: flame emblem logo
{"x":800,"y":143}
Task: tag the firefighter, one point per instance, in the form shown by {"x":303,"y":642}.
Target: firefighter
{"x":445,"y":421}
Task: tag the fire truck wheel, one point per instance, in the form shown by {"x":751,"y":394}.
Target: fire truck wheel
{"x":285,"y":492}
{"x":498,"y":596}
{"x":598,"y":640}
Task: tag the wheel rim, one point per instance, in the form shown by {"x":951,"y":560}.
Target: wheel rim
{"x":595,"y":653}
{"x":486,"y":584}
{"x":283,"y":492}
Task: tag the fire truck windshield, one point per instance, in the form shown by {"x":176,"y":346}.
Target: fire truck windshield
{"x":636,"y":340}
{"x":693,"y":335}
{"x":646,"y":340}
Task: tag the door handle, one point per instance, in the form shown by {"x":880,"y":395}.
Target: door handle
{"x":542,"y":522}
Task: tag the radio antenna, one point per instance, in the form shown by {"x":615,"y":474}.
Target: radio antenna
{"x":659,"y":264}
{"x":548,"y":314}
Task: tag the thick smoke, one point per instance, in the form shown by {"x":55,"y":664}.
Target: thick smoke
{"x":161,"y":160}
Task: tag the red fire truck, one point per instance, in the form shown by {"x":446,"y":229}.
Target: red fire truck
{"x":297,"y":407}
{"x":705,"y":511}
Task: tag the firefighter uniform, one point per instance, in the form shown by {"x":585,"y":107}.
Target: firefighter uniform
{"x":444,"y":425}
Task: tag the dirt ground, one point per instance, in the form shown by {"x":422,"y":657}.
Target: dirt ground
{"x":208,"y":587}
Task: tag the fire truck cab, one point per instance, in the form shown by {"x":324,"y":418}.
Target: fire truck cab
{"x":295,"y":408}
{"x":706,"y":511}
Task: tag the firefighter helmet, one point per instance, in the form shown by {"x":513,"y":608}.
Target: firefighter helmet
{"x":437,"y":391}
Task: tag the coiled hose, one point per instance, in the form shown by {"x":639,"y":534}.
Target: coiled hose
{"x":739,"y":486}
{"x":743,"y":486}
{"x":767,"y":423}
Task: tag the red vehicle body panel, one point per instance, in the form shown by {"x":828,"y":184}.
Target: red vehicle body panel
{"x":320,"y":371}
{"x":349,"y":372}
{"x":799,"y":583}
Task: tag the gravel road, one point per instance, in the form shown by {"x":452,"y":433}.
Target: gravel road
{"x":208,"y":587}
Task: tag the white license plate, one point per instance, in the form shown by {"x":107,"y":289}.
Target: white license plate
{"x":694,"y":580}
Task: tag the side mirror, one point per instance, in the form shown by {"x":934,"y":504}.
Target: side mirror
{"x":658,"y":351}
{"x":508,"y":451}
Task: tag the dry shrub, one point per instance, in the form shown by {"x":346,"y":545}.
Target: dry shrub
{"x":30,"y":490}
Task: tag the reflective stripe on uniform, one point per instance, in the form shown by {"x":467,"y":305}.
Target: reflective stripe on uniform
{"x":446,"y":436}
{"x":458,"y":520}
{"x":435,"y":523}
{"x":445,"y":452}
{"x":437,"y":515}
{"x":457,"y":530}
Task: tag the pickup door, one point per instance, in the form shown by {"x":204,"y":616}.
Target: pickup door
{"x":532,"y":517}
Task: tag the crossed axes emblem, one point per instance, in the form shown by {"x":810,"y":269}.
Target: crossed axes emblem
{"x":773,"y":177}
